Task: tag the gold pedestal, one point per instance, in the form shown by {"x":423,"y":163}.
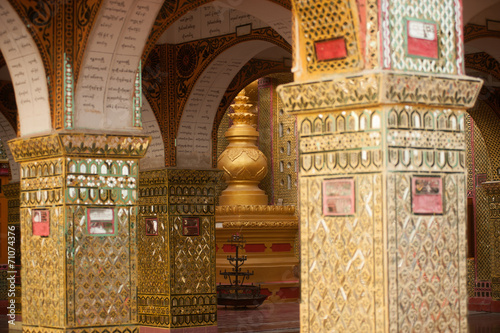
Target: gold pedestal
{"x":239,"y":192}
{"x":271,"y":234}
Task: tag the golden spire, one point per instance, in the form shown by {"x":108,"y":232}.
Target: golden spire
{"x":244,"y":165}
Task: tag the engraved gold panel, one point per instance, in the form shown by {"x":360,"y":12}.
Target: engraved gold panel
{"x":479,"y":163}
{"x":342,"y":276}
{"x":196,"y":275}
{"x":430,"y":252}
{"x":103,"y":269}
{"x":44,"y":295}
{"x":471,"y":277}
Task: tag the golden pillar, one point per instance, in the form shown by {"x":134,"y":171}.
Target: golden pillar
{"x":380,"y":96}
{"x":176,"y":250}
{"x":78,"y":223}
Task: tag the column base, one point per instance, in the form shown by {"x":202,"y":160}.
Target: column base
{"x":93,"y":329}
{"x":199,"y":329}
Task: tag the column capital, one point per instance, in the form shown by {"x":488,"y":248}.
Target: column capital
{"x":373,"y":88}
{"x":79,"y":144}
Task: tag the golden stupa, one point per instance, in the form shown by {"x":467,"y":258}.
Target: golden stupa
{"x":243,"y":209}
{"x":244,"y":165}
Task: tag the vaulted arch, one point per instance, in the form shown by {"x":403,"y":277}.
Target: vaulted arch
{"x":195,"y":129}
{"x":276,"y":13}
{"x":27,"y":72}
{"x":155,"y":157}
{"x":108,"y":89}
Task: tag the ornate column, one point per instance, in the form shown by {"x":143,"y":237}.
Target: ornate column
{"x":176,"y":250}
{"x":78,"y":225}
{"x":12,"y":193}
{"x":493,"y":192}
{"x":380,"y":97}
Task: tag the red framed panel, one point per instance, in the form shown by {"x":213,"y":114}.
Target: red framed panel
{"x":152,"y":226}
{"x":191,"y":226}
{"x":40,"y":219}
{"x":427,"y":195}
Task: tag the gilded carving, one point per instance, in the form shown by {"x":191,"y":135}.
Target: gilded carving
{"x":267,"y":210}
{"x":367,"y":90}
{"x":380,"y":130}
{"x":85,"y":144}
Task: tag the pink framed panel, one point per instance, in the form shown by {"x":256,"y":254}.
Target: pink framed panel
{"x":101,"y":221}
{"x":427,"y":195}
{"x":339,"y":197}
{"x":152,"y":226}
{"x":40,"y":219}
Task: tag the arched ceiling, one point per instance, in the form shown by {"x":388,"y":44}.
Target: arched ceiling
{"x":482,"y":51}
{"x":26,"y":71}
{"x":487,"y":45}
{"x":106,"y":86}
{"x":155,"y":156}
{"x":195,"y":129}
{"x":477,"y":11}
{"x":223,"y":17}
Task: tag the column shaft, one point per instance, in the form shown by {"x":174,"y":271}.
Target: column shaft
{"x":176,"y":241}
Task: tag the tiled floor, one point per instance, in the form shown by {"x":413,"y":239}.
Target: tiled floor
{"x":284,"y":318}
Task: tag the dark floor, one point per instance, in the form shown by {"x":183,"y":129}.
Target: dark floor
{"x":276,"y":318}
{"x":484,"y":322}
{"x":284,"y":318}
